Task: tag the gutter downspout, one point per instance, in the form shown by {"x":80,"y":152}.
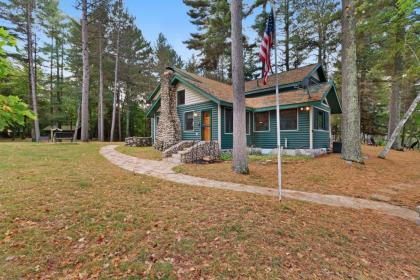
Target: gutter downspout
{"x":219,"y":125}
{"x":311,"y":128}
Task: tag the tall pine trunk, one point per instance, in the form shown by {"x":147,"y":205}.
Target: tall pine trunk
{"x":76,"y":129}
{"x":240,"y":157}
{"x":85,"y":86}
{"x":101,"y":91}
{"x":395,"y":100}
{"x":287,"y":34}
{"x":31,"y":68}
{"x":351,"y":111}
{"x":114,"y":103}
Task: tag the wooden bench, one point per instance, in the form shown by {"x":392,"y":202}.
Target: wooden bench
{"x":63,"y":135}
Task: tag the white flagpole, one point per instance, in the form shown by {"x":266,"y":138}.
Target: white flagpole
{"x":277,"y":104}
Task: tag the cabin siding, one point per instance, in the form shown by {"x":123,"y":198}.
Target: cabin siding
{"x":322,"y":137}
{"x":191,"y":97}
{"x":198,"y":108}
{"x":227,"y":138}
{"x":298,"y":139}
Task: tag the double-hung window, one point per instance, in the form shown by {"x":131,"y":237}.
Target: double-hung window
{"x":288,"y":119}
{"x":262,"y":121}
{"x":189,"y":121}
{"x":180,"y":97}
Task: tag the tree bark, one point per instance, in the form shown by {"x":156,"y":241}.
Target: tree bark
{"x":395,"y":100}
{"x":351,"y":149}
{"x":31,"y":68}
{"x":240,"y":157}
{"x":114,"y":103}
{"x":101,"y":92}
{"x":76,"y":129}
{"x":400,"y":125}
{"x":85,"y":86}
{"x":287,"y":34}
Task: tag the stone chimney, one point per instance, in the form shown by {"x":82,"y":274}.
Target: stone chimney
{"x":169,"y":128}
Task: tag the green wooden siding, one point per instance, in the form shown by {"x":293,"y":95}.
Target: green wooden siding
{"x":321,"y":138}
{"x":227,"y":138}
{"x":298,"y":139}
{"x":199,"y":107}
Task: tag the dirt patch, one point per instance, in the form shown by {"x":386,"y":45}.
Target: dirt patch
{"x":397,"y":177}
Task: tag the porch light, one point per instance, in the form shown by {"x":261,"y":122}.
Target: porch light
{"x":195,"y":114}
{"x":307,"y":108}
{"x":301,"y":108}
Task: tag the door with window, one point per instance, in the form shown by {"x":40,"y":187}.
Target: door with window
{"x":206,"y":126}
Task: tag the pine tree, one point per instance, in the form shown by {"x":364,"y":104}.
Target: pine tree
{"x":240,"y":157}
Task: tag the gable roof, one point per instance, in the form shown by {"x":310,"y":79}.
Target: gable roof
{"x":287,"y":77}
{"x":223,"y":93}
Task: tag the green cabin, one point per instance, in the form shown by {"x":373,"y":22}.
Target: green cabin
{"x":204,"y":107}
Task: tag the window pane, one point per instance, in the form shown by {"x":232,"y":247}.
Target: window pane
{"x":189,"y":121}
{"x":181,"y":97}
{"x":248,"y":122}
{"x":288,"y":119}
{"x":228,"y":120}
{"x":261,"y":121}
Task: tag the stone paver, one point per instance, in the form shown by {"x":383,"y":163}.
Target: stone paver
{"x":163,"y":170}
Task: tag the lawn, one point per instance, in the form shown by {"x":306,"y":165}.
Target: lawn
{"x":395,"y":180}
{"x":141,"y":152}
{"x":66,"y":212}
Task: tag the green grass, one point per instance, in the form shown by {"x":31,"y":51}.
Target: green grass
{"x":66,"y":212}
{"x":267,"y":157}
{"x":141,"y":152}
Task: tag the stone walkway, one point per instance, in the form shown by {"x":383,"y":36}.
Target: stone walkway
{"x":163,"y":170}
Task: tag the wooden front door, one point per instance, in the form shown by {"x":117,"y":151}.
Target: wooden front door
{"x":206,"y":126}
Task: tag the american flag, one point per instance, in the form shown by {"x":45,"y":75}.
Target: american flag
{"x":266,"y":46}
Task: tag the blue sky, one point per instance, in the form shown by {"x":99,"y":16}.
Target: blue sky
{"x":154,"y":16}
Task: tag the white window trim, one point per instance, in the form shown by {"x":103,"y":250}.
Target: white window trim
{"x":297,"y":122}
{"x":177,"y":97}
{"x":189,"y":130}
{"x":329,"y":115}
{"x":224,"y":115}
{"x":325,"y":102}
{"x":269,"y":122}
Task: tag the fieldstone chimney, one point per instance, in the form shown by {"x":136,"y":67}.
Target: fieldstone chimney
{"x":169,"y":128}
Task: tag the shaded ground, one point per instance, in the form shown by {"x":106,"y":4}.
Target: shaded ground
{"x":395,"y":180}
{"x":66,"y":211}
{"x":141,"y":152}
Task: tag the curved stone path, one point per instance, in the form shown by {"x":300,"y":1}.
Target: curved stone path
{"x":163,"y":170}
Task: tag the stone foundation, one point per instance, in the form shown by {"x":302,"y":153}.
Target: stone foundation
{"x":138,"y":141}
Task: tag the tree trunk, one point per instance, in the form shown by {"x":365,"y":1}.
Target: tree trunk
{"x":76,"y":129}
{"x":101,"y":92}
{"x":395,"y":100}
{"x":287,"y":34}
{"x":57,"y":84}
{"x":85,"y":87}
{"x":127,"y":122}
{"x":51,"y":78}
{"x":31,"y":68}
{"x":240,"y":157}
{"x":400,"y":125}
{"x":119,"y":115}
{"x":114,"y":103}
{"x":351,"y":149}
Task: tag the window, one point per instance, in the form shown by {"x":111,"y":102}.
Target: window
{"x":228,"y":120}
{"x":248,"y":122}
{"x":180,"y":97}
{"x":288,"y":119}
{"x":320,"y":119}
{"x":262,"y":121}
{"x":188,"y":121}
